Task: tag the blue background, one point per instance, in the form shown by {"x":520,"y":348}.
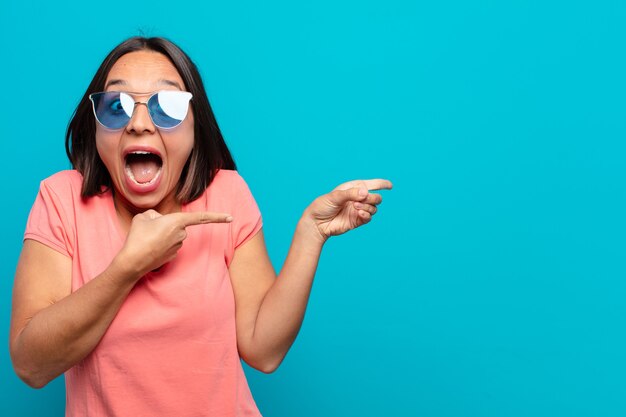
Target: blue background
{"x":492,"y":281}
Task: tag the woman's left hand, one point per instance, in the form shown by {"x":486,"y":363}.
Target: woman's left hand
{"x":347,"y":207}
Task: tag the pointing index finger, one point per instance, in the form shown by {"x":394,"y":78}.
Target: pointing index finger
{"x":202,"y":217}
{"x":378,"y":184}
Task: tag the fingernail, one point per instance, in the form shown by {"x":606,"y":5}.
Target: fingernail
{"x":362,"y":192}
{"x":229,"y":219}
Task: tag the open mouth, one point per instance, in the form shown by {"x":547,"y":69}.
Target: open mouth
{"x":142,"y":167}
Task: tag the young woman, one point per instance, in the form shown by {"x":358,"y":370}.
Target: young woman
{"x":144,"y":275}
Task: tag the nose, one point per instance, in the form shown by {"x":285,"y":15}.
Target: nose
{"x":140,"y":121}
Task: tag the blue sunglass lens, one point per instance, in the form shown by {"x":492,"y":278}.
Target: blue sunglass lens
{"x":109,"y":110}
{"x":159,"y":117}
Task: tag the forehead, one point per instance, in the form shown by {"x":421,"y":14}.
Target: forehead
{"x":143,"y":71}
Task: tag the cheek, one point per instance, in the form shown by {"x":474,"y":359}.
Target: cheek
{"x":105,"y":145}
{"x":181,"y":151}
{"x":184,"y":140}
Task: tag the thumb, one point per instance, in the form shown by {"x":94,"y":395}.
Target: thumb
{"x":340,"y":197}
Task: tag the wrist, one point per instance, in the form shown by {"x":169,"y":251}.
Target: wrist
{"x":124,"y":269}
{"x":308,"y":230}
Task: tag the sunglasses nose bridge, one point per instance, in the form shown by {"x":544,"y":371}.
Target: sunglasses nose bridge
{"x":137,"y":103}
{"x":140,"y":121}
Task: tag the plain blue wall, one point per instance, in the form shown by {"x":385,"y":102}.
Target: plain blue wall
{"x":492,"y":282}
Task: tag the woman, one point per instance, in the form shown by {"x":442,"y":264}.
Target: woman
{"x":144,"y":275}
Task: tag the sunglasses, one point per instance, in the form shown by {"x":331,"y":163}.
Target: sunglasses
{"x":114,"y":109}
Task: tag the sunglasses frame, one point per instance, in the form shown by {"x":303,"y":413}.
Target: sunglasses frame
{"x":135,"y":103}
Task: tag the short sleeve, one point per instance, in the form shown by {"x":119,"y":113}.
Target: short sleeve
{"x":247,"y":219}
{"x":48,"y":221}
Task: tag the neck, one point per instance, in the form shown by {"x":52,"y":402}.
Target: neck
{"x":126,"y":211}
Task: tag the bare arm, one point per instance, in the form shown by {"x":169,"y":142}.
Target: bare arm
{"x":270,"y":310}
{"x":52,"y":328}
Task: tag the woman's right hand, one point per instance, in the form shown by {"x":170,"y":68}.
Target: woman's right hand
{"x":154,"y":239}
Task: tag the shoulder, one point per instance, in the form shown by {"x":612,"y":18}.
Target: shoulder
{"x":64,"y":191}
{"x":66,"y":183}
{"x":228,"y":182}
{"x":227,"y":190}
{"x":52,"y":218}
{"x":226,"y":177}
{"x":68,"y":175}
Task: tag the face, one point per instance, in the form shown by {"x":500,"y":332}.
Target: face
{"x":145,"y":162}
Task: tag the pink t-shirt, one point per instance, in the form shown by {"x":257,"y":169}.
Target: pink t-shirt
{"x":172,"y":348}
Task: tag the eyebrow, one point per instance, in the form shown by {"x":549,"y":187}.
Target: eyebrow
{"x":170,"y":83}
{"x":114,"y":82}
{"x":161,"y":81}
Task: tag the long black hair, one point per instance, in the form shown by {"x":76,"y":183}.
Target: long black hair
{"x":209,"y":153}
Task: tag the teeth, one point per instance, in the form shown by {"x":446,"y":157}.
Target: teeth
{"x":141,"y":153}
